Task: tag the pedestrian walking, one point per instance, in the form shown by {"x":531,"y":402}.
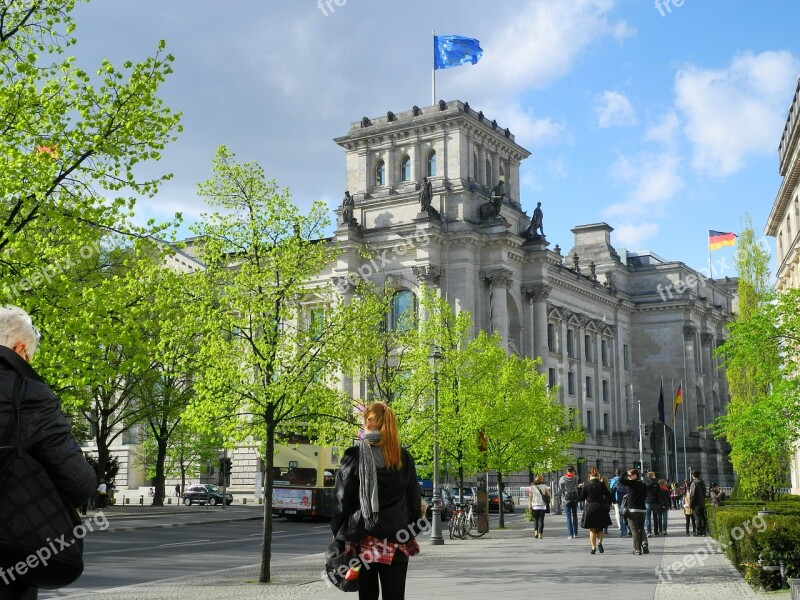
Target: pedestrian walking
{"x":595,"y":517}
{"x":665,"y":505}
{"x":378,"y":480}
{"x":177,"y":490}
{"x":697,"y":501}
{"x":688,"y":512}
{"x":102,"y":491}
{"x":568,"y":491}
{"x":618,"y":492}
{"x":539,"y":505}
{"x":635,"y":500}
{"x":652,"y":505}
{"x":26,"y":401}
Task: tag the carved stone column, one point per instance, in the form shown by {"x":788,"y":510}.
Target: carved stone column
{"x":499,"y":281}
{"x":537,"y":297}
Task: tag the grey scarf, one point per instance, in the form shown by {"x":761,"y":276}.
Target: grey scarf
{"x":368,"y":479}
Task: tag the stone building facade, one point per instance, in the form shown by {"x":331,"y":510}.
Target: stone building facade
{"x":610,"y":326}
{"x":783,"y":222}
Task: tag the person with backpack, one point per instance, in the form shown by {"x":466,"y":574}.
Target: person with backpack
{"x":568,"y":490}
{"x":697,"y":501}
{"x":618,"y":492}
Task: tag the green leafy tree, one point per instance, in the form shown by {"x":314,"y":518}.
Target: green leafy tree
{"x":523,"y":423}
{"x":761,"y":420}
{"x":68,"y":135}
{"x":270,"y":364}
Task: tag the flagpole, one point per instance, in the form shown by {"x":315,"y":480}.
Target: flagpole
{"x":674,"y":425}
{"x":641,"y":452}
{"x":708,"y":242}
{"x":664,"y":423}
{"x":433,"y":73}
{"x":683,"y":412}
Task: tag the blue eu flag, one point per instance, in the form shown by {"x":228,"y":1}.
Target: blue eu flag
{"x":454,"y":51}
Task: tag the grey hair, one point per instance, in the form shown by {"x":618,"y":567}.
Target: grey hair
{"x":15,"y":327}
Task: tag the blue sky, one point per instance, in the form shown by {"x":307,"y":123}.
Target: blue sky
{"x":661,"y":120}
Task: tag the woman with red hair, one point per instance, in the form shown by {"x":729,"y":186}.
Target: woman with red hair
{"x":377,"y":505}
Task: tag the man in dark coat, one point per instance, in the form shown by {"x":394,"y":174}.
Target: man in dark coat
{"x":44,"y":432}
{"x":697,"y":502}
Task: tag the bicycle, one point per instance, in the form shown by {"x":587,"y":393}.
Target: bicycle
{"x":466,"y":522}
{"x":475,"y":524}
{"x":457,"y":521}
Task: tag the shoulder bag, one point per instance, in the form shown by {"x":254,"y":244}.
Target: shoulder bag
{"x":38,"y":540}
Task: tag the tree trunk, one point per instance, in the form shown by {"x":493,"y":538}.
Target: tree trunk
{"x":159,"y":480}
{"x":266,"y":542}
{"x":500,"y":487}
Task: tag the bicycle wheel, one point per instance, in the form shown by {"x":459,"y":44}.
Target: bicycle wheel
{"x":478,"y":526}
{"x":462,"y":527}
{"x":453,"y":526}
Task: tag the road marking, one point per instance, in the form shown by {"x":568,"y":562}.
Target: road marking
{"x":182,"y":543}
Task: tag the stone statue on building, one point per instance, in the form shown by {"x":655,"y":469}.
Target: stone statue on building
{"x":535,"y":230}
{"x":491,"y":209}
{"x":348,"y":206}
{"x":426,"y":198}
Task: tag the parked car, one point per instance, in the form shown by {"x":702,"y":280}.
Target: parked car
{"x":469,"y":494}
{"x":494,"y":502}
{"x":447,"y":503}
{"x":205,"y":493}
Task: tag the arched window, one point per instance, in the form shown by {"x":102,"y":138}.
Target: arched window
{"x":405,"y":169}
{"x":431,"y":164}
{"x":404,"y":311}
{"x":380,"y":173}
{"x":488,"y":172}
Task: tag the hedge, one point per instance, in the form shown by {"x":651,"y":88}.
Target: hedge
{"x":744,"y":536}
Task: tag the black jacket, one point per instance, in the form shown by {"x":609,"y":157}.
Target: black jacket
{"x":637,"y":491}
{"x":45,"y":433}
{"x":653,"y":491}
{"x":399,"y":498}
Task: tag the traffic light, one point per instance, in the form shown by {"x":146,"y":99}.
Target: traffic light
{"x":645,"y":430}
{"x":224,"y":471}
{"x":646,"y":466}
{"x":637,"y":465}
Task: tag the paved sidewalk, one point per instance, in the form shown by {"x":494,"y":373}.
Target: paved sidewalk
{"x":507,"y":564}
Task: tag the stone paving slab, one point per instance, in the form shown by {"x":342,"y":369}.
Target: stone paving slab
{"x":508,"y":564}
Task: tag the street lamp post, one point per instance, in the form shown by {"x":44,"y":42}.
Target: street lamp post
{"x":436,"y":509}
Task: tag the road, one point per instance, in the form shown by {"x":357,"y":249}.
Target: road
{"x":146,"y":546}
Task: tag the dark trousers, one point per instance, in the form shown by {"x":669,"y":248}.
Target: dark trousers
{"x":636,"y":524}
{"x":538,"y":520}
{"x":101,"y":501}
{"x":392,"y":579}
{"x":690,"y":519}
{"x":700,"y":519}
{"x":653,"y":517}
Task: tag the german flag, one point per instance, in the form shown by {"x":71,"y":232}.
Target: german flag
{"x":718,"y":239}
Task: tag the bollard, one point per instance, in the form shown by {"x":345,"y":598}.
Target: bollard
{"x":244,"y":500}
{"x":141,"y":500}
{"x":127,"y":500}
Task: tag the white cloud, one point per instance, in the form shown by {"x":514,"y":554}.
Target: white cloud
{"x":665,"y":132}
{"x":528,"y":129}
{"x":654,"y":178}
{"x":634,"y":235}
{"x":540,"y":44}
{"x":732,"y":113}
{"x":614,"y":109}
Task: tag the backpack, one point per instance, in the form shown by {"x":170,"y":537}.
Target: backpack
{"x":618,"y":490}
{"x":570,"y":497}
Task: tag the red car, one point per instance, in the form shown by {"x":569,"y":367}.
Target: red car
{"x":494,"y":503}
